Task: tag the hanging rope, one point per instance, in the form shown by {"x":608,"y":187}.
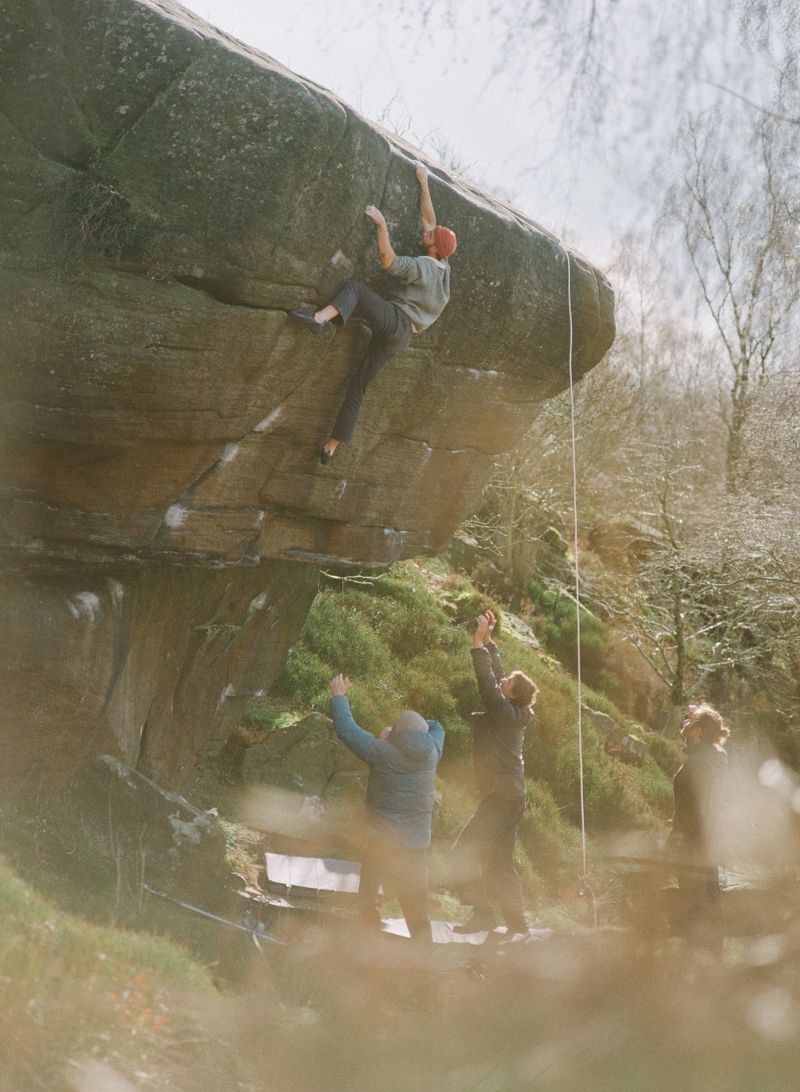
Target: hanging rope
{"x":574,"y":447}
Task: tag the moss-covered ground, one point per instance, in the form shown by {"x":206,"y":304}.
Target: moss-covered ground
{"x":86,"y":1005}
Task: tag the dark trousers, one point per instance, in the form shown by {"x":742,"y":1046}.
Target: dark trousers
{"x":391,"y":334}
{"x":486,"y":848}
{"x":697,"y":911}
{"x":404,"y":874}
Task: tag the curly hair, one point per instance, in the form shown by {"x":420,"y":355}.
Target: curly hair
{"x":705,"y":717}
{"x":525,"y":690}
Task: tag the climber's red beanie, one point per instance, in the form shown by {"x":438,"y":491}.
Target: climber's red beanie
{"x":445,"y":241}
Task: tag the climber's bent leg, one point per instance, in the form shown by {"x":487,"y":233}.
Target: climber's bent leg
{"x":384,"y":346}
{"x":354,"y":298}
{"x":391,"y":334}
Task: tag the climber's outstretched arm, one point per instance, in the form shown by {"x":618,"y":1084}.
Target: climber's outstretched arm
{"x":386,"y":254}
{"x":426,"y":213}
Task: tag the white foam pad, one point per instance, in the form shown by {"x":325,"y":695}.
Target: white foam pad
{"x":314,"y":873}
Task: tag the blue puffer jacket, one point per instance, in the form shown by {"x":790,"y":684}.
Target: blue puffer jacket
{"x":402,"y":772}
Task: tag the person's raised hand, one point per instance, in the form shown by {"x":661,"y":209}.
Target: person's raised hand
{"x":375,"y":214}
{"x":422,"y":171}
{"x":482,"y":630}
{"x":339,"y":685}
{"x":491,"y":621}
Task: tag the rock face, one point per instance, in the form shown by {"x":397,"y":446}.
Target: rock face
{"x":305,"y":758}
{"x":152,"y":663}
{"x":618,"y":742}
{"x":165,"y":195}
{"x":116,"y":826}
{"x":304,"y":788}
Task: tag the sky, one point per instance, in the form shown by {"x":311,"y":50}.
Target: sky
{"x":467,"y":83}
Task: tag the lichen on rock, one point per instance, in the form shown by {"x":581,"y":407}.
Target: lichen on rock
{"x":165,"y":196}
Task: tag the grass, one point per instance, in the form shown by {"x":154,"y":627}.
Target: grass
{"x":404,"y":638}
{"x":397,"y":644}
{"x":70,"y":990}
{"x":92,"y":216}
{"x":89,"y":1006}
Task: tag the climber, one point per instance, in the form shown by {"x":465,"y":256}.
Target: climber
{"x":402,"y":764}
{"x":486,"y":844}
{"x":417,"y":300}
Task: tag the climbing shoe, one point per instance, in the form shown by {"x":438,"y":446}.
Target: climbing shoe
{"x":325,"y":456}
{"x":306,"y":319}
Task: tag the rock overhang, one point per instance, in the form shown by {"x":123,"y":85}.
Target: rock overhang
{"x":158,"y":405}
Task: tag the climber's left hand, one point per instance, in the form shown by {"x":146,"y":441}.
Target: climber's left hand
{"x":375,"y":215}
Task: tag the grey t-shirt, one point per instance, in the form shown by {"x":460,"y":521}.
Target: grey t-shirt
{"x":424,"y":288}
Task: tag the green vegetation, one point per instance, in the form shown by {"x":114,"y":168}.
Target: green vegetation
{"x":404,"y":639}
{"x":71,"y":990}
{"x":94,"y":216}
{"x":560,"y":630}
{"x":399,"y":646}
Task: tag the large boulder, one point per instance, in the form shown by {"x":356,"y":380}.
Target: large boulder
{"x":117,"y":834}
{"x":166,"y":194}
{"x":618,"y":742}
{"x":154,"y":664}
{"x":304,"y":758}
{"x":304,"y":788}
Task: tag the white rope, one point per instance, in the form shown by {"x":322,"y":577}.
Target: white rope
{"x":574,"y":445}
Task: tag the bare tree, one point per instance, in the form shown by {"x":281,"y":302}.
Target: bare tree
{"x":702,"y":583}
{"x":736,"y":238}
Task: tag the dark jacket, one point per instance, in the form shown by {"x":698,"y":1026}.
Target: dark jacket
{"x":402,"y":774}
{"x":698,"y":788}
{"x":498,"y":732}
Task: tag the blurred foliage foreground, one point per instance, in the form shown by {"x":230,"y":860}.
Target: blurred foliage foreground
{"x":609,"y":1001}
